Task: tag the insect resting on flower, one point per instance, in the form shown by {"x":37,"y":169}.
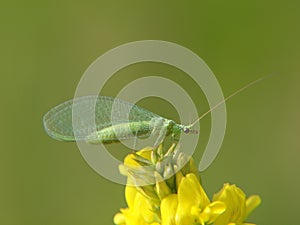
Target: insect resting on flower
{"x":130,"y":121}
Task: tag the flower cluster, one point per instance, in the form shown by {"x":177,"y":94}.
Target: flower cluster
{"x":165,"y":189}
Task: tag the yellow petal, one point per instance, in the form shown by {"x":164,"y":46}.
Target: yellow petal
{"x":144,"y":207}
{"x":251,"y":203}
{"x":178,"y":178}
{"x":193,"y":167}
{"x":140,"y":209}
{"x":130,"y":193}
{"x":162,"y":189}
{"x":119,"y":219}
{"x":168,"y":209}
{"x":130,"y":159}
{"x":146,"y":152}
{"x":191,"y":193}
{"x":235,"y":201}
{"x":212,"y":211}
{"x":191,"y":200}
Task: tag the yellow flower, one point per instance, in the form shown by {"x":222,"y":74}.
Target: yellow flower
{"x":141,"y":208}
{"x":139,"y":212}
{"x":190,"y":206}
{"x":168,"y":209}
{"x":145,"y":153}
{"x":170,"y":196}
{"x":238,"y":207}
{"x":194,"y":207}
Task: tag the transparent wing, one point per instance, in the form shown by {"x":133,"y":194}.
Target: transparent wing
{"x":58,"y":121}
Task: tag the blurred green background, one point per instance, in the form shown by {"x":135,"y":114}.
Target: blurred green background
{"x":47,"y":45}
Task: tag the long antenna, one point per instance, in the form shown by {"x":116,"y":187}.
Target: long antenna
{"x":230,"y":96}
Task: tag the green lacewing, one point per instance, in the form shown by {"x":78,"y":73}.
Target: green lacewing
{"x":139,"y":122}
